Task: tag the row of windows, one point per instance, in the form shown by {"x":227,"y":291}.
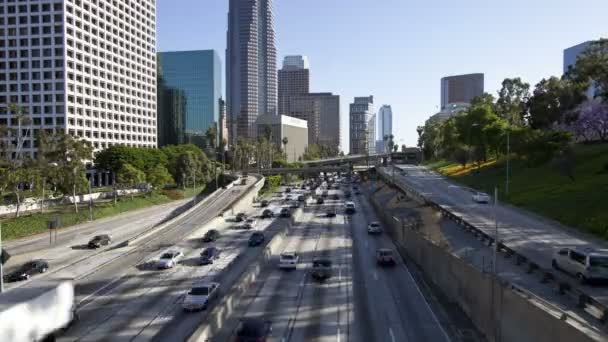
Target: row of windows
{"x":48,"y":98}
{"x":120,"y":14}
{"x":122,"y":117}
{"x":32,"y":8}
{"x":133,"y":68}
{"x":46,"y":120}
{"x":45,"y":52}
{"x":23,"y":42}
{"x":35,"y":64}
{"x":31,"y":31}
{"x":34,"y":75}
{"x":31,"y":19}
{"x":110,"y":135}
{"x":30,"y":87}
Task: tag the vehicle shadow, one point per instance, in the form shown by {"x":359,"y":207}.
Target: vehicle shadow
{"x":191,"y":262}
{"x":80,"y":247}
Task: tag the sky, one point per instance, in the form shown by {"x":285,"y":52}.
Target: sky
{"x":398,"y":50}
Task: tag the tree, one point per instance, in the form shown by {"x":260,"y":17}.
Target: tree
{"x":485,"y":99}
{"x":461,"y":155}
{"x":188,"y":166}
{"x":512,"y":98}
{"x":592,"y":123}
{"x":592,"y":67}
{"x":285,"y":141}
{"x":395,"y":148}
{"x":129,"y":175}
{"x":159,"y":177}
{"x":173,"y":153}
{"x":420,"y":130}
{"x":554,"y":101}
{"x":403,"y":148}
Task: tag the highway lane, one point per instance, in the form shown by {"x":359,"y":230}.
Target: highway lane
{"x":389,"y":305}
{"x":528,"y":234}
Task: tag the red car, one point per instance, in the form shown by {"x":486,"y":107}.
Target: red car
{"x":385,"y":257}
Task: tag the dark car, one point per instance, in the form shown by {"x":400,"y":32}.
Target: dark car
{"x":209,"y":254}
{"x":285,"y":212}
{"x":331,"y":212}
{"x":347,"y":194}
{"x":99,"y":240}
{"x":321,"y":269}
{"x":253,"y":330}
{"x":357,"y":192}
{"x":385,"y":257}
{"x":27,"y":270}
{"x":264,"y":203}
{"x":267,"y":213}
{"x":336,"y":196}
{"x":320,"y":200}
{"x":240,"y":217}
{"x":256,"y":239}
{"x":288,"y":190}
{"x":211,"y":235}
{"x":301,"y":198}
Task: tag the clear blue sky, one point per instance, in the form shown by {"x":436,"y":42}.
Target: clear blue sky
{"x":398,"y":50}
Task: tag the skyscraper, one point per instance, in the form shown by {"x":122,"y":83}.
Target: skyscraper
{"x":196,"y":77}
{"x":322,"y":111}
{"x":461,"y":89}
{"x":361,"y":116}
{"x":76,"y":71}
{"x":294,"y":80}
{"x":251,"y":70}
{"x":385,"y":127}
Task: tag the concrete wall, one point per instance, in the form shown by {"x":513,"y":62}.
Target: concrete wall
{"x":497,"y":310}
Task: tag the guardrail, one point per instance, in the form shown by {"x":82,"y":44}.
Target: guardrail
{"x":548,"y":276}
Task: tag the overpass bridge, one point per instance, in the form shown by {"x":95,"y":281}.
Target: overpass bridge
{"x":310,"y":170}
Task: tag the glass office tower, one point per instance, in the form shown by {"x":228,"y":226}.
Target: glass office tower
{"x":189,"y":89}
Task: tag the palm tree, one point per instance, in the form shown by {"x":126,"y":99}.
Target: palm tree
{"x":285,"y":141}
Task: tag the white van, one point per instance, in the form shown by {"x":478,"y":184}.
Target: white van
{"x":584,"y":264}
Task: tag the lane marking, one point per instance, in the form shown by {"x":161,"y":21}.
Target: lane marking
{"x":390,"y":331}
{"x":375,"y":275}
{"x":338,"y":337}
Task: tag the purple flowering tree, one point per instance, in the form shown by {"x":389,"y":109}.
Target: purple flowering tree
{"x":592,"y":122}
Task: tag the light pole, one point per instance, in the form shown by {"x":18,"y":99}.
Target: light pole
{"x":508,"y":160}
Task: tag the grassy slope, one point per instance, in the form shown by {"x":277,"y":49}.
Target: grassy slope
{"x":35,"y":223}
{"x":582,"y":203}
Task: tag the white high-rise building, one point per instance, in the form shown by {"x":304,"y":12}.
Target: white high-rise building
{"x":385,"y":127}
{"x":84,"y":67}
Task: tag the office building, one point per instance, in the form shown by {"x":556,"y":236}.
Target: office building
{"x":189,"y":92}
{"x":385,"y":127}
{"x":294,"y":80}
{"x":371,"y":134}
{"x":251,"y":70}
{"x":449,"y":111}
{"x":322,"y":112}
{"x":361,"y":115}
{"x":75,"y":70}
{"x":571,"y":55}
{"x":283,"y":126}
{"x":461,"y":88}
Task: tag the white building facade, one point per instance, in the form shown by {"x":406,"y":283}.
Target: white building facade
{"x":87,"y":68}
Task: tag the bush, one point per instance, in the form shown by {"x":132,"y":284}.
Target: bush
{"x":173,"y":194}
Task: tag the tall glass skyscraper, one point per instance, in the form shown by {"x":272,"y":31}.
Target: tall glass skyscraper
{"x":251,"y":66}
{"x":385,"y":126}
{"x":189,"y":90}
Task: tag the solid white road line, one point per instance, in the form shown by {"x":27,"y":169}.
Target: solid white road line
{"x":375,"y":275}
{"x":338,"y":336}
{"x":390,"y":331}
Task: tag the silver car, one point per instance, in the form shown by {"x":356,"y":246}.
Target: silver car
{"x":584,"y":264}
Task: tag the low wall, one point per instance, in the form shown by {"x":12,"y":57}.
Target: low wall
{"x":496,"y":309}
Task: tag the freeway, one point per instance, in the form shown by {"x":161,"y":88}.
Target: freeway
{"x":530,"y":235}
{"x":361,"y":302}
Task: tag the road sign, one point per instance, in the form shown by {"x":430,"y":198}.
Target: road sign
{"x":4,"y":256}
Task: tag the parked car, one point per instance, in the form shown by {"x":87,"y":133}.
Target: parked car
{"x":385,"y":256}
{"x":211,"y":235}
{"x":264,"y":203}
{"x":320,"y":200}
{"x":481,"y":197}
{"x":209,"y":254}
{"x":256,"y":239}
{"x":288,"y":260}
{"x":374,"y":228}
{"x":585,"y":264}
{"x":321,"y":269}
{"x":27,"y":270}
{"x":169,"y":259}
{"x":301,"y":198}
{"x":331,"y":212}
{"x":240,"y":217}
{"x":99,"y":240}
{"x":285,"y":212}
{"x":349,"y":207}
{"x":253,"y":330}
{"x":199,"y":296}
{"x":267,"y":213}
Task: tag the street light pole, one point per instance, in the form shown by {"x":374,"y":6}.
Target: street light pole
{"x":508,"y":161}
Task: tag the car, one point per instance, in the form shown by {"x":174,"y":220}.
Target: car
{"x":288,"y":190}
{"x":331,"y":212}
{"x":301,"y":198}
{"x":199,"y":296}
{"x":357,"y":192}
{"x":294,"y":204}
{"x":244,"y":180}
{"x":585,"y":264}
{"x":209,"y":254}
{"x":240,"y":217}
{"x":336,"y":196}
{"x":267,"y":213}
{"x":481,"y":197}
{"x":253,"y":330}
{"x":285,"y":212}
{"x":256,"y":239}
{"x":211,"y":235}
{"x":385,"y":256}
{"x":325,"y":193}
{"x":264,"y":203}
{"x":321,"y":269}
{"x":349,"y":208}
{"x":99,"y":240}
{"x":320,"y":200}
{"x":288,"y":198}
{"x":27,"y":270}
{"x":288,"y":260}
{"x":169,"y":259}
{"x":374,"y":228}
{"x":347,"y":194}
{"x":250,"y":223}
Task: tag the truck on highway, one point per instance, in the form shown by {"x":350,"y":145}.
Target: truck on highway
{"x":38,"y":312}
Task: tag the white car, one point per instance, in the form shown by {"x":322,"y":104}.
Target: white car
{"x":481,"y":197}
{"x":199,"y":296}
{"x":169,"y":259}
{"x":350,"y":208}
{"x":288,"y":260}
{"x":251,"y":223}
{"x":374,"y":228}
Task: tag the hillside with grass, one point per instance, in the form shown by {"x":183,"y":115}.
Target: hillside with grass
{"x":574,"y":193}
